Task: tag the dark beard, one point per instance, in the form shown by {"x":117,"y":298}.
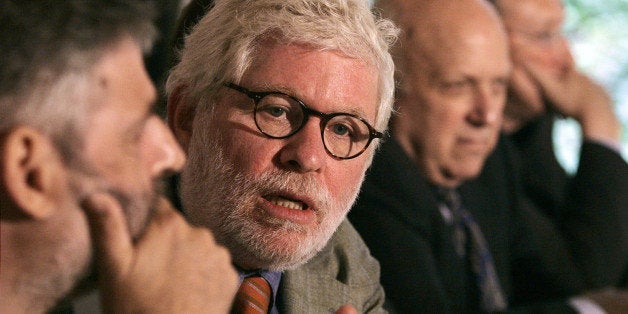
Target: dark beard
{"x":129,"y":204}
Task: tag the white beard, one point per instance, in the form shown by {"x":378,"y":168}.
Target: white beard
{"x":217,"y":195}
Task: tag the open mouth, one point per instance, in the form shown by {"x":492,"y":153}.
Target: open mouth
{"x":285,"y":202}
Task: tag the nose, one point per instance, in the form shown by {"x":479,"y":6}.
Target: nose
{"x":488,"y":104}
{"x":304,"y":151}
{"x":163,"y":153}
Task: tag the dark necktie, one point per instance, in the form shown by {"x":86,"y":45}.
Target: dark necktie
{"x":492,"y":296}
{"x":253,"y":297}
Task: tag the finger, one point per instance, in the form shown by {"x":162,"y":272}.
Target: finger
{"x":570,"y":62}
{"x":113,"y":248}
{"x":164,"y":213}
{"x":545,"y":79}
{"x":164,"y":226}
{"x":347,"y":309}
{"x":525,"y":88}
{"x":554,"y":89}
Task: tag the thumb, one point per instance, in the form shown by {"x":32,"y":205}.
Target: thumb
{"x":113,"y":247}
{"x":553,"y":85}
{"x":545,"y":79}
{"x":347,"y":309}
{"x":554,"y":88}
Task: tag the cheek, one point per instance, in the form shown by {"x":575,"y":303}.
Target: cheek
{"x":250,"y":152}
{"x":434,"y":123}
{"x":344,"y":178}
{"x":448,"y":123}
{"x":133,"y":169}
{"x":122,"y":170}
{"x":242,"y":142}
{"x":445,"y":117}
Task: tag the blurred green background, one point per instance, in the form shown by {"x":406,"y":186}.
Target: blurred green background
{"x":598,"y":32}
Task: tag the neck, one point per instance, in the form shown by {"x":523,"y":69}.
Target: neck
{"x":21,"y":288}
{"x":15,"y":301}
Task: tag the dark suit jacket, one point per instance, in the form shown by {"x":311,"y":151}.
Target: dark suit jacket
{"x":398,"y":216}
{"x":599,"y":189}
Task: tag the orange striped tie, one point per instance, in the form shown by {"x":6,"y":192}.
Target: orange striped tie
{"x":253,"y":297}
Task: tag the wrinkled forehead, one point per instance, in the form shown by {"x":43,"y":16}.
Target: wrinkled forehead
{"x":454,"y":46}
{"x":528,"y":14}
{"x":316,"y":76}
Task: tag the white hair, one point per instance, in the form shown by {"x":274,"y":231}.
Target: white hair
{"x":223,"y":44}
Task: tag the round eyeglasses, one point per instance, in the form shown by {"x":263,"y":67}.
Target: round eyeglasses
{"x":278,"y":115}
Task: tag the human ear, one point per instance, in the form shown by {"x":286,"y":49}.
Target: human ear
{"x":30,"y":167}
{"x":180,"y":117}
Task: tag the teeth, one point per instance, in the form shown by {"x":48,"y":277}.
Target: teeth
{"x":286,"y":202}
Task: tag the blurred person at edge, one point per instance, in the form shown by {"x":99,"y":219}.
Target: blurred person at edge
{"x":545,"y":84}
{"x":82,"y":155}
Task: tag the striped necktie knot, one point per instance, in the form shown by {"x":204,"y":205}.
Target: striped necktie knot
{"x":253,"y":297}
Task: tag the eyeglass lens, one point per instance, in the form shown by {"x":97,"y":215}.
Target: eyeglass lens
{"x":279,"y":115}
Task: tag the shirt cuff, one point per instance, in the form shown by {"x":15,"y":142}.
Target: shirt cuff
{"x":584,"y":305}
{"x":608,"y":143}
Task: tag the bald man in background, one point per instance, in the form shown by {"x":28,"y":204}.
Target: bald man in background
{"x":442,"y":207}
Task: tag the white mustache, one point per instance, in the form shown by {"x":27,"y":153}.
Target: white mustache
{"x":318,"y":197}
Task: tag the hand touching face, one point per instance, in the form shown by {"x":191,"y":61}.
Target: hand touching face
{"x":536,"y":39}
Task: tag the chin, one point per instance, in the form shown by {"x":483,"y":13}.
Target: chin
{"x":455,"y":176}
{"x":277,"y":248}
{"x":471,"y":172}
